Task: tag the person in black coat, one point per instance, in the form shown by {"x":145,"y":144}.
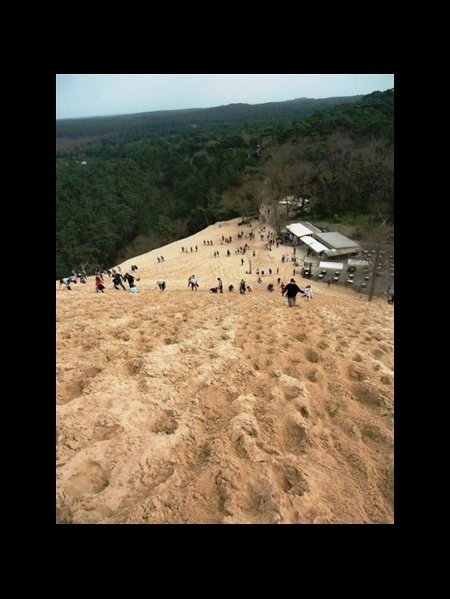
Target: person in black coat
{"x":291,"y":291}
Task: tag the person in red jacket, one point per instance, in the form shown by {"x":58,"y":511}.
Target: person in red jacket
{"x":99,"y":284}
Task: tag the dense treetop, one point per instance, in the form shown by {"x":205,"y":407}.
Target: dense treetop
{"x":128,"y":184}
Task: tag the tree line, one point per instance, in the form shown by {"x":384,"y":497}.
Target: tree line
{"x":130,"y":191}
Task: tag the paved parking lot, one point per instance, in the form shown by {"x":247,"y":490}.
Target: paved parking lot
{"x":357,"y":278}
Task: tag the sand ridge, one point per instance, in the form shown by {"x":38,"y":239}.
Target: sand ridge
{"x":193,"y":407}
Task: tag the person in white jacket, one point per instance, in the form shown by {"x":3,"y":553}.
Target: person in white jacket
{"x":308,"y":292}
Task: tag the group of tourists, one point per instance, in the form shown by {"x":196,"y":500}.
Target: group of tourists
{"x":119,"y":281}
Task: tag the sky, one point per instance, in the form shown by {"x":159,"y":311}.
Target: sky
{"x":103,"y":95}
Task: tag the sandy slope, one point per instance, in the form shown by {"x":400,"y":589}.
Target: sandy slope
{"x":191,"y":407}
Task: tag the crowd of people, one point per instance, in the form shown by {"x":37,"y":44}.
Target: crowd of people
{"x":289,"y":291}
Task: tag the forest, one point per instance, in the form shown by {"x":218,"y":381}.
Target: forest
{"x":128,"y":184}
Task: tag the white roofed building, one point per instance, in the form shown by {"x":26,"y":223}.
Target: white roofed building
{"x":293,"y":201}
{"x":338,"y":244}
{"x":331,"y":244}
{"x":299,"y":229}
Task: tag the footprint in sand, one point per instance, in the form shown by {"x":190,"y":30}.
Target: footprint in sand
{"x":106,"y":428}
{"x":121,"y":333}
{"x":290,"y":478}
{"x":134,"y":366}
{"x":332,"y":407}
{"x":63,"y":511}
{"x":371,"y":432}
{"x":311,"y":355}
{"x":302,"y":407}
{"x":142,"y":385}
{"x":366,"y":394}
{"x":290,"y":393}
{"x":312,"y":375}
{"x":356,"y":374}
{"x":384,"y":348}
{"x":295,"y":437}
{"x":155,"y":474}
{"x":262,"y":500}
{"x":89,"y":479}
{"x":387,"y":379}
{"x":225,"y":490}
{"x":165,"y":423}
{"x":70,"y":390}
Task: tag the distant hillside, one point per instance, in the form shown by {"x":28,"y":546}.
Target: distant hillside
{"x":129,"y":184}
{"x":232,"y":113}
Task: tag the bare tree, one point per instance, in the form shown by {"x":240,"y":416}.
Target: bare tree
{"x":302,"y":183}
{"x":382,"y":276}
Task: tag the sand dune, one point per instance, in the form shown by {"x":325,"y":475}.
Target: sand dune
{"x":192,"y":407}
